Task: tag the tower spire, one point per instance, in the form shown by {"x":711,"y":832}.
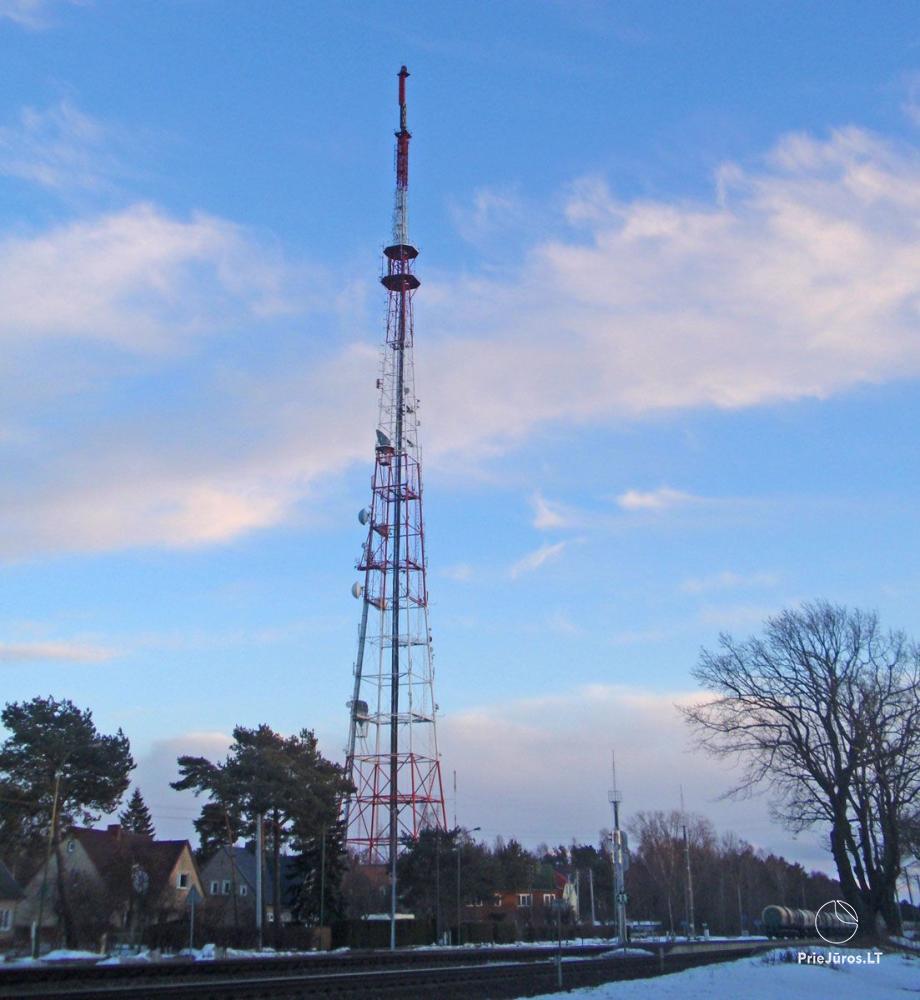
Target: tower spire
{"x":392,"y":754}
{"x":401,"y":208}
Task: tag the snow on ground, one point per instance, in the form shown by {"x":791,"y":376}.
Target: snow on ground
{"x":68,"y":955}
{"x":764,"y":977}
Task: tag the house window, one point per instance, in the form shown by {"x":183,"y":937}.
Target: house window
{"x":226,"y":887}
{"x":183,"y":881}
{"x":215,"y":888}
{"x":477,"y":901}
{"x":548,"y":899}
{"x":242,"y":890}
{"x":525,"y":899}
{"x":71,"y":846}
{"x":271,"y":916}
{"x":496,"y":899}
{"x":6,"y":919}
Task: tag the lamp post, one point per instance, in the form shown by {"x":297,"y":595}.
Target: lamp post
{"x":459,"y":847}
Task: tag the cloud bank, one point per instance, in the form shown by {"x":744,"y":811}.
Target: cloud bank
{"x":561,"y":744}
{"x":73,"y":652}
{"x":798,"y":279}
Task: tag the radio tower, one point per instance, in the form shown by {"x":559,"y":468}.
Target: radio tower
{"x":392,"y":755}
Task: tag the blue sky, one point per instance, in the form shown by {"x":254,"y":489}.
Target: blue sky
{"x":667,"y":348}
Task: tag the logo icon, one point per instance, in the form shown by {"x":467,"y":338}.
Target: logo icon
{"x":836,"y":922}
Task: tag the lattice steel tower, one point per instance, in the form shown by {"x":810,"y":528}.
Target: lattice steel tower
{"x":392,"y":756}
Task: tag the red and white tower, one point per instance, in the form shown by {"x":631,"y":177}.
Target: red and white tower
{"x":392,"y":756}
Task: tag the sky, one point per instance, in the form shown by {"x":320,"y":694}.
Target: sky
{"x":666,"y":343}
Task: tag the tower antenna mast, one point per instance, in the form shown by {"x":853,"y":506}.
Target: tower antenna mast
{"x":392,"y":754}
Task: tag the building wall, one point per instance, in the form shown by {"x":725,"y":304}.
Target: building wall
{"x":80,"y":878}
{"x":219,"y":877}
{"x":8,"y":908}
{"x":173,"y":901}
{"x":508,"y":905}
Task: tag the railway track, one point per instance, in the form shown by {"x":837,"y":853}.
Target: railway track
{"x":445,"y":974}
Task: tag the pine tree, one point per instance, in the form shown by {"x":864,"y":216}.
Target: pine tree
{"x":136,"y":818}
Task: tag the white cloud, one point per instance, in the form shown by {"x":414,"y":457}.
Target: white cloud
{"x":174,"y":812}
{"x":492,"y":210}
{"x":139,"y":280}
{"x":801,"y":281}
{"x":727,"y":580}
{"x":34,"y":14}
{"x":746,"y":616}
{"x":461,"y":572}
{"x":59,"y":148}
{"x":109,"y":310}
{"x":560,"y":744}
{"x":560,"y":622}
{"x":534,"y":560}
{"x":68,"y":652}
{"x":547,"y":516}
{"x":660,"y":499}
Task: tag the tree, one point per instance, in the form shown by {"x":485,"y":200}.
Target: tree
{"x":57,"y":769}
{"x":517,"y":866}
{"x":659,"y":846}
{"x":282,"y":781}
{"x":136,"y":818}
{"x":321,"y":867}
{"x":824,"y":710}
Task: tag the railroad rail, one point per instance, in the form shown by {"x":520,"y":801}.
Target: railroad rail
{"x":445,"y":974}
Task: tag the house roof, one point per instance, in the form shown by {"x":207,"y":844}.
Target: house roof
{"x":114,"y":852}
{"x":9,"y":887}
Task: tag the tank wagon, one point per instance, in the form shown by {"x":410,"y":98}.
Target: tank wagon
{"x":785,"y":922}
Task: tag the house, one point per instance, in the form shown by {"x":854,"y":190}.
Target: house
{"x":102,"y":880}
{"x":536,"y":904}
{"x":229,"y":879}
{"x":10,"y":896}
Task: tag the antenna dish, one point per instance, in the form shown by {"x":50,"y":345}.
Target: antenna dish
{"x":357,"y":590}
{"x":364,"y":515}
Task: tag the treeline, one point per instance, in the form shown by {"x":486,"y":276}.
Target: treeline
{"x":732,"y":881}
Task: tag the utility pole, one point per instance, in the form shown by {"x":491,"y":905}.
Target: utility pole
{"x":617,"y":853}
{"x":591,"y":892}
{"x":259,"y":849}
{"x":322,"y":880}
{"x":459,"y":848}
{"x":37,"y":934}
{"x":691,"y":919}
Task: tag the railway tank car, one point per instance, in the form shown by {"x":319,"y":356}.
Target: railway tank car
{"x":786,"y":922}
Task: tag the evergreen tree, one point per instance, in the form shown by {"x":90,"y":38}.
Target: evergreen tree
{"x":55,"y":763}
{"x":136,"y":818}
{"x":283,"y":779}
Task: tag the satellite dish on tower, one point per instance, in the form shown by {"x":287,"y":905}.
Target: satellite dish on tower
{"x":364,"y":515}
{"x":357,"y":590}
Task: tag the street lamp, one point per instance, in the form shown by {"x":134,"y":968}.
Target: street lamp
{"x":459,"y":845}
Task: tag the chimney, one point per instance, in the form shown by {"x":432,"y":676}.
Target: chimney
{"x":114,"y":831}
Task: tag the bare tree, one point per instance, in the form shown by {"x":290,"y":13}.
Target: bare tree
{"x":824,"y":710}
